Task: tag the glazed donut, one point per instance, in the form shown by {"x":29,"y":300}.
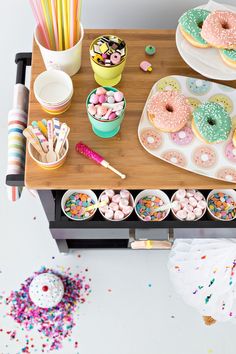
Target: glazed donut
{"x":211,"y":123}
{"x":219,"y":29}
{"x":229,"y":57}
{"x":190,"y":26}
{"x":168,"y":111}
{"x":183,"y":137}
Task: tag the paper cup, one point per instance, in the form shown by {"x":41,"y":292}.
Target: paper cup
{"x":155,"y":192}
{"x":53,"y":89}
{"x":68,"y":193}
{"x":176,"y":217}
{"x":131,"y":203}
{"x":230,"y":192}
{"x":68,"y":60}
{"x":107,"y":75}
{"x":48,"y":165}
{"x":105,"y":129}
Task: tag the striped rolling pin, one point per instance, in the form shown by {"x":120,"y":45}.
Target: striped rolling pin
{"x":17,"y":122}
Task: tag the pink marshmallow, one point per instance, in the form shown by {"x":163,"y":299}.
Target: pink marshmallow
{"x":190,"y":216}
{"x":104,"y":209}
{"x":116,"y":198}
{"x":104,"y":198}
{"x":92,"y":109}
{"x":176,"y":206}
{"x":101,"y":110}
{"x":198,"y":196}
{"x":202,"y":204}
{"x":181,"y":214}
{"x":102,"y":99}
{"x":119,"y":215}
{"x":123,"y":203}
{"x":190,"y":192}
{"x":197,"y":212}
{"x":188,"y":208}
{"x":101,"y":91}
{"x":110,"y":193}
{"x":180,"y":194}
{"x":124,"y":194}
{"x":109,"y":214}
{"x":113,"y":206}
{"x":94,"y":99}
{"x":127,"y":210}
{"x":193,"y":202}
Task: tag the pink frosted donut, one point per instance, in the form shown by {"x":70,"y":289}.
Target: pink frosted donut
{"x":183,"y":137}
{"x":227,"y":174}
{"x":230,"y":152}
{"x":150,"y":138}
{"x":168,"y":111}
{"x":204,"y":157}
{"x":219,"y":29}
{"x":174,"y":157}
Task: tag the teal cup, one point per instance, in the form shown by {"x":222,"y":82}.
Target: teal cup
{"x":108,"y":128}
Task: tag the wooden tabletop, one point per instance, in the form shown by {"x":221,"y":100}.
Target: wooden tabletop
{"x":124,"y":151}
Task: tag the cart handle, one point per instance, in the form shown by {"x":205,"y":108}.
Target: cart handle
{"x":22,"y":60}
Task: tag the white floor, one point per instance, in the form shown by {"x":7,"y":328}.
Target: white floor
{"x":132,"y":308}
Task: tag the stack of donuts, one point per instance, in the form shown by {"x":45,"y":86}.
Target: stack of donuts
{"x":204,"y":29}
{"x":170,"y":112}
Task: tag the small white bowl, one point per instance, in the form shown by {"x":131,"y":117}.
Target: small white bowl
{"x":131,"y":202}
{"x":156,"y":192}
{"x":53,"y":87}
{"x":68,"y":193}
{"x":176,"y":217}
{"x":230,"y":192}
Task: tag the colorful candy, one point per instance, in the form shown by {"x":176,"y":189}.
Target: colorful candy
{"x":150,"y":49}
{"x":120,"y":204}
{"x":188,"y":204}
{"x":146,"y":66}
{"x":147,"y":208}
{"x":75,"y":206}
{"x":222,"y":206}
{"x":108,"y":51}
{"x":105,"y":104}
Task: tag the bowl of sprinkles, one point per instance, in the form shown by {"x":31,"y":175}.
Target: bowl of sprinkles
{"x":75,"y":204}
{"x":221,"y":204}
{"x":148,"y":202}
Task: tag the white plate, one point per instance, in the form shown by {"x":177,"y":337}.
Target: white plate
{"x":209,"y":160}
{"x":206,"y":61}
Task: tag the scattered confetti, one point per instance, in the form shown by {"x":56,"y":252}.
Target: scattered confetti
{"x":109,"y":290}
{"x":34,"y":218}
{"x":56,"y":324}
{"x":149,"y":285}
{"x":172,"y":316}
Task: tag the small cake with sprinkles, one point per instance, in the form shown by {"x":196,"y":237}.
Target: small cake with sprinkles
{"x":211,"y":123}
{"x":46,"y":290}
{"x":190,"y":26}
{"x":229,"y":57}
{"x":168,"y":111}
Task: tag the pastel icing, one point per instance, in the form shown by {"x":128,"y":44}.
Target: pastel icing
{"x":229,"y":53}
{"x":191,"y":22}
{"x":197,"y":86}
{"x":212,"y":121}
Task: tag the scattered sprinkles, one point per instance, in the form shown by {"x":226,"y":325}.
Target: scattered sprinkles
{"x":55,"y":324}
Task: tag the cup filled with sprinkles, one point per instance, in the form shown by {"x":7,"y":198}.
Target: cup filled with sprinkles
{"x":152,"y":205}
{"x":79,"y":205}
{"x":221,"y":204}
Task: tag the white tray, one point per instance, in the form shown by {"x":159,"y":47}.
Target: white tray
{"x":206,"y":61}
{"x":204,"y":159}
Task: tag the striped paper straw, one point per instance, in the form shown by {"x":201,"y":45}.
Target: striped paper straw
{"x":54,"y":18}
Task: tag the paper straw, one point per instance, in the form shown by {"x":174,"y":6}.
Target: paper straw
{"x":39,"y":19}
{"x":47,"y":15}
{"x":72,"y":22}
{"x":65,"y":23}
{"x":60,"y":28}
{"x":54,"y":18}
{"x":78,"y":18}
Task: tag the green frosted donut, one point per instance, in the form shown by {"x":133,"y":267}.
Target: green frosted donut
{"x":230,"y":54}
{"x":191,"y":22}
{"x":212,"y":122}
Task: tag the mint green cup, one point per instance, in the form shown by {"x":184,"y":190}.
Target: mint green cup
{"x":105,"y":129}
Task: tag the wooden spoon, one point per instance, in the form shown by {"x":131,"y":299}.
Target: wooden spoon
{"x":33,"y":140}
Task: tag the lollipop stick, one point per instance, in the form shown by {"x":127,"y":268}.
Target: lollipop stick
{"x":116,"y":171}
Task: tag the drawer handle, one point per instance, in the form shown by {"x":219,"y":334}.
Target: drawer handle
{"x":151,"y":245}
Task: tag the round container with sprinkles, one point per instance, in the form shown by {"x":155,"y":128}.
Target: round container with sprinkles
{"x":221,"y":204}
{"x":147,"y":203}
{"x":75,"y":202}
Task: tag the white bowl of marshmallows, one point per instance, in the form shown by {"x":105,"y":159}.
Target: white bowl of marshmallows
{"x":188,"y":205}
{"x":119,"y":204}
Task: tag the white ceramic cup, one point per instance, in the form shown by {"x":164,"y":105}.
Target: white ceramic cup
{"x":230,"y":192}
{"x":131,"y":203}
{"x":68,"y":193}
{"x":156,"y":192}
{"x":68,"y":60}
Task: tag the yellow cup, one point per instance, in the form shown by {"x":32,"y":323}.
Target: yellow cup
{"x":107,"y":75}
